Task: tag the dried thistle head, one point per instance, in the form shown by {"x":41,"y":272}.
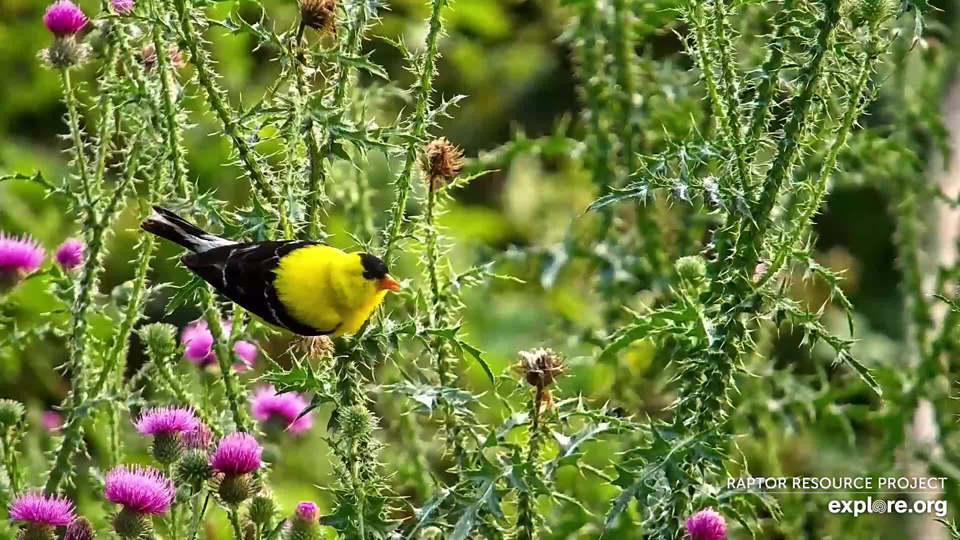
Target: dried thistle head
{"x":442,"y":163}
{"x":540,"y":367}
{"x":320,"y":15}
{"x":319,"y":347}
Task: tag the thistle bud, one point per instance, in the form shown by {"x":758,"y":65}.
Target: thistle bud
{"x":234,"y":489}
{"x":357,"y":422}
{"x":320,"y":15}
{"x":194,"y":469}
{"x":65,"y":53}
{"x":80,"y":529}
{"x":442,"y":163}
{"x":691,"y":268}
{"x":130,"y":524}
{"x":261,"y":510}
{"x":11,"y":412}
{"x":159,"y":338}
{"x":873,"y":12}
{"x":303,"y":526}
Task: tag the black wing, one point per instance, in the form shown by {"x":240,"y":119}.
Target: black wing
{"x":244,"y":273}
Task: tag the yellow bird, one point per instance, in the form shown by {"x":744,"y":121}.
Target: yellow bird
{"x":306,"y":287}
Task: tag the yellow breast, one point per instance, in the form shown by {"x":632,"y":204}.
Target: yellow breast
{"x":324,"y":288}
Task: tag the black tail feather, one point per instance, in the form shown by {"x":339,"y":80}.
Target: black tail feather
{"x":170,"y":226}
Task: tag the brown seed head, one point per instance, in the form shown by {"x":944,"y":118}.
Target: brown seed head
{"x":442,"y":163}
{"x":540,"y":367}
{"x":149,"y":56}
{"x":320,"y":15}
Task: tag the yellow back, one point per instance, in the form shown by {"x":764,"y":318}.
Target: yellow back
{"x":323,"y":287}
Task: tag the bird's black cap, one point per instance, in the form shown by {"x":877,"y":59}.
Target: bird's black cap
{"x":373,"y":266}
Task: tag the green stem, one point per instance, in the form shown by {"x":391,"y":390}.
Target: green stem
{"x":162,"y":364}
{"x":731,"y":92}
{"x":225,"y":359}
{"x":198,"y":512}
{"x":624,"y":60}
{"x":78,"y":361}
{"x":426,"y":73}
{"x":318,"y":156}
{"x":215,"y":96}
{"x":235,"y":521}
{"x":173,"y":133}
{"x":9,"y":443}
{"x":78,"y":144}
{"x":790,"y":143}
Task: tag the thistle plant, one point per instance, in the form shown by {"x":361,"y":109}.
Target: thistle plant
{"x":652,"y":333}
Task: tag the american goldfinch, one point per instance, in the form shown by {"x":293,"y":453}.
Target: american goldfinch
{"x":306,"y":287}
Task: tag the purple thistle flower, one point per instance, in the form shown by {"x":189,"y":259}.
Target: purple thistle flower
{"x":144,"y":490}
{"x":266,"y":404}
{"x":198,"y":342}
{"x":307,"y":511}
{"x":247,"y":352}
{"x":123,"y":7}
{"x":237,"y":453}
{"x":52,"y":421}
{"x":18,"y":258}
{"x":199,"y":438}
{"x":41,"y":509}
{"x":70,"y":254}
{"x":707,"y":525}
{"x":167,"y":421}
{"x":198,"y":346}
{"x":64,"y":18}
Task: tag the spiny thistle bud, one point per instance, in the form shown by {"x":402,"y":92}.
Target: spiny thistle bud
{"x":320,"y":15}
{"x":194,"y":469}
{"x":873,"y":12}
{"x":303,"y":526}
{"x":11,"y":412}
{"x":65,"y":53}
{"x":80,"y":529}
{"x":540,"y":367}
{"x":130,"y":524}
{"x":442,"y":163}
{"x":159,"y":339}
{"x":691,"y":268}
{"x":234,"y":489}
{"x":319,"y":347}
{"x":357,"y":422}
{"x":261,"y":510}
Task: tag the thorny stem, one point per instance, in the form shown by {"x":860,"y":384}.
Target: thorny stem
{"x":235,"y":521}
{"x":174,"y":134}
{"x":426,"y":71}
{"x":624,"y":59}
{"x":225,"y":360}
{"x":9,"y":454}
{"x":78,"y":145}
{"x":317,"y":171}
{"x":198,"y":512}
{"x":829,"y":164}
{"x":790,"y":143}
{"x":731,"y":91}
{"x":78,"y":361}
{"x":592,"y":65}
{"x":215,"y":97}
{"x":106,"y":118}
{"x":319,"y":157}
{"x":527,"y":516}
{"x":175,"y":385}
{"x":770,"y":73}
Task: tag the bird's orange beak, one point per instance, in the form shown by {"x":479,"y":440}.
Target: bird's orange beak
{"x":390,"y":284}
